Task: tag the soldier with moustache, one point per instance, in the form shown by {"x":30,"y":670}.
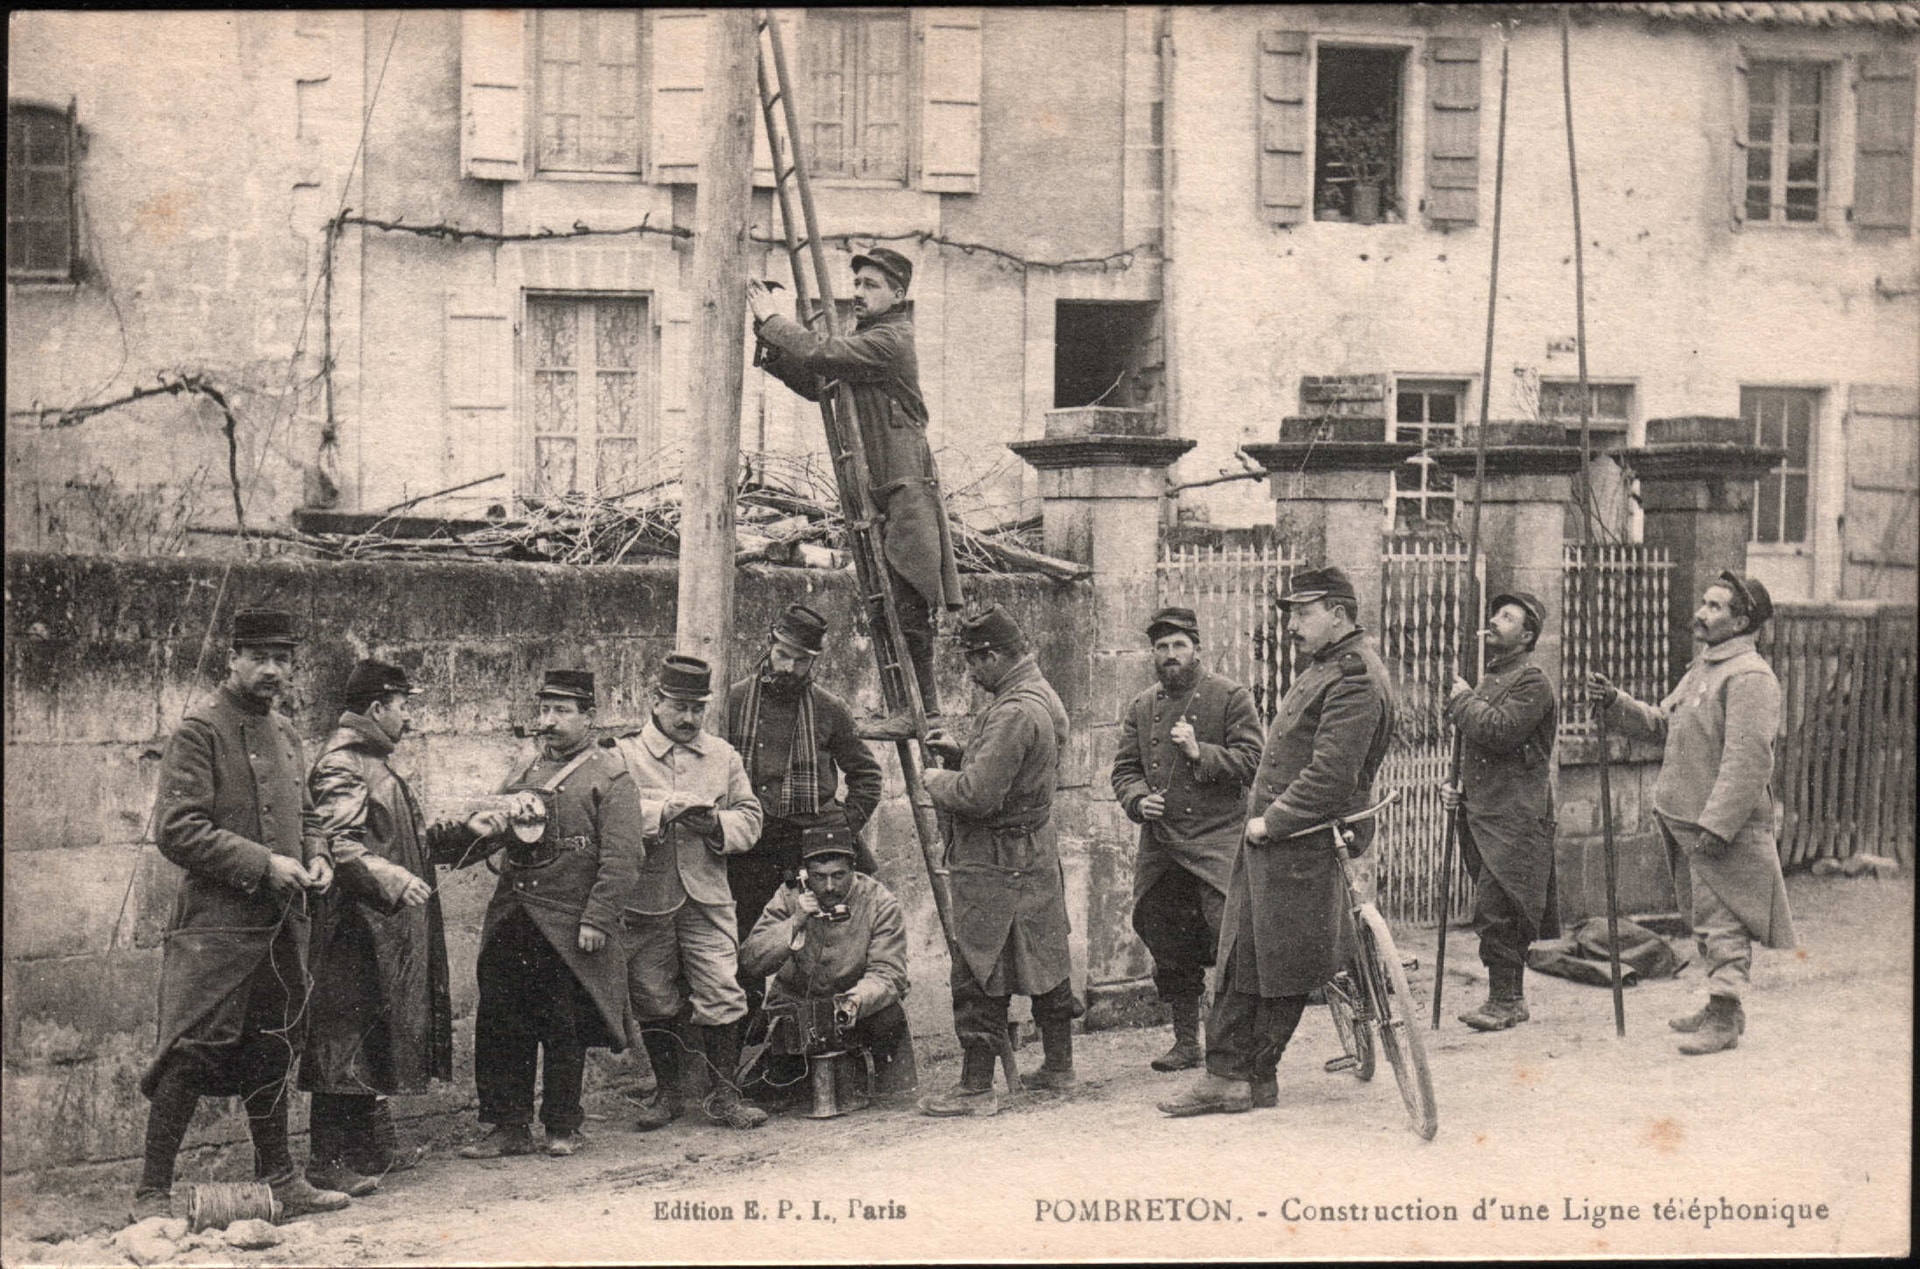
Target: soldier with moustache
{"x":1188,"y":747}
{"x":234,"y":815}
{"x":1504,"y":803}
{"x":1287,"y":929}
{"x":1009,"y":898}
{"x":551,"y":968}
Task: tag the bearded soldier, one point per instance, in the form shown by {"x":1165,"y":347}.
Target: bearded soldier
{"x":1505,"y":803}
{"x":1187,"y":751}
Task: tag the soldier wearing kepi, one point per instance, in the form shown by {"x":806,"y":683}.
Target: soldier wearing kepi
{"x":683,"y":965}
{"x":1507,"y":724}
{"x":878,"y":364}
{"x":1287,"y":929}
{"x":382,"y":1018}
{"x":1009,"y":899}
{"x":234,"y":814}
{"x":797,"y":740}
{"x":1188,"y":747}
{"x":552,"y":971}
{"x":1714,"y":798}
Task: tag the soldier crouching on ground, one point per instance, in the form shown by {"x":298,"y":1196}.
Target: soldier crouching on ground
{"x":234,"y":814}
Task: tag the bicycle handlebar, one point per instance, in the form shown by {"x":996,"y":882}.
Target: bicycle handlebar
{"x":1340,"y":822}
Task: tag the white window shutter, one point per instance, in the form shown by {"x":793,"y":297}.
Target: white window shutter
{"x":679,"y":70}
{"x":950,"y":101}
{"x":478,"y":362}
{"x":1883,"y":157}
{"x":1283,"y":174}
{"x":493,"y":99}
{"x":1737,"y":143}
{"x":1453,"y":131}
{"x":676,"y":347}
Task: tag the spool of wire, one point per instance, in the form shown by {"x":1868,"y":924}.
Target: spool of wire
{"x":218,"y":1204}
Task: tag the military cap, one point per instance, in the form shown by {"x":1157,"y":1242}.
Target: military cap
{"x":993,"y":629}
{"x":828,"y":833}
{"x":1527,"y":602}
{"x":263,"y":628}
{"x":801,"y":629}
{"x":574,"y":685}
{"x":1759,"y":603}
{"x":1174,"y":620}
{"x":376,"y":679}
{"x":1318,"y":583}
{"x":889,"y":262}
{"x":685,"y":678}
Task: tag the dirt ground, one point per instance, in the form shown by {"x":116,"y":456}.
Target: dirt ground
{"x":1555,"y":1138}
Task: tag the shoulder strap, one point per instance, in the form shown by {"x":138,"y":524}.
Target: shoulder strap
{"x":552,"y":784}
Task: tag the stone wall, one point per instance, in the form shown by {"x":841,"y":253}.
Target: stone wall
{"x":104,"y":655}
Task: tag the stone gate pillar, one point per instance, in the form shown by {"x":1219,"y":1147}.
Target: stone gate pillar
{"x":1696,"y":477}
{"x":1102,"y":499}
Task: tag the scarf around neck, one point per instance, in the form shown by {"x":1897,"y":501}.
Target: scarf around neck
{"x":800,"y":790}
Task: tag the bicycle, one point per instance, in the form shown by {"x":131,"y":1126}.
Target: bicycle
{"x":1370,"y":1000}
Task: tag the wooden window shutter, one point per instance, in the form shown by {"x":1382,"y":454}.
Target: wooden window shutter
{"x":478,"y":365}
{"x":493,"y":104}
{"x":676,"y":361}
{"x":1737,"y":142}
{"x":950,"y":80}
{"x":1883,"y":491}
{"x":1453,"y":132}
{"x":1284,"y":187}
{"x":678,"y":67}
{"x":1883,"y":158}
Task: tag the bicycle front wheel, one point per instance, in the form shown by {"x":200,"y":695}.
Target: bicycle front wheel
{"x":1395,"y":1016}
{"x":1356,"y":1034}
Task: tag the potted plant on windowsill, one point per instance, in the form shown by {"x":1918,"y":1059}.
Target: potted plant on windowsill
{"x":1362,"y":145}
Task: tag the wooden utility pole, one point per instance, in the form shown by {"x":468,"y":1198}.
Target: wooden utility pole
{"x":717,"y":365}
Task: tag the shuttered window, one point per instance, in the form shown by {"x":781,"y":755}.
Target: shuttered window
{"x":40,"y":229}
{"x":1783,"y":419}
{"x":857,"y":100}
{"x":1786,"y":155}
{"x":589,"y":393}
{"x":589,"y":73}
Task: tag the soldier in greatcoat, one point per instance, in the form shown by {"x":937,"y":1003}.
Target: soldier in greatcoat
{"x":552,"y":970}
{"x":1287,"y":928}
{"x":381,"y":1016}
{"x":878,"y":364}
{"x":797,"y":741}
{"x":1504,"y":803}
{"x":234,"y":814}
{"x":1187,"y":751}
{"x":1714,"y":799}
{"x":683,"y":940}
{"x":1009,"y":898}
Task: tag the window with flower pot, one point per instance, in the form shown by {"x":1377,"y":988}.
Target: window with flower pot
{"x":1357,"y":134}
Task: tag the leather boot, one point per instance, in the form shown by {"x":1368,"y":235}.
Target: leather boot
{"x":1506,"y":1003}
{"x":1185,"y":1053}
{"x":973,"y":1095}
{"x":1692,"y":1022}
{"x":1265,"y":1090}
{"x":1056,"y":1070}
{"x":663,"y":1042}
{"x":331,"y":1122}
{"x":725,"y":1106}
{"x":299,"y":1197}
{"x":377,"y":1150}
{"x":1720,"y":1029}
{"x":1211,"y":1095}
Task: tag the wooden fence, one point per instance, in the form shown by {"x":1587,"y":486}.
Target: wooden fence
{"x":1844,"y":761}
{"x":1624,"y":637}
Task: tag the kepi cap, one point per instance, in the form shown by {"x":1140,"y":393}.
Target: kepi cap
{"x":801,"y":629}
{"x":1318,"y":583}
{"x":263,"y":628}
{"x":1181,"y":620}
{"x":378,"y":678}
{"x":574,"y":685}
{"x":1526,"y":602}
{"x":994,"y":628}
{"x":686,"y":678}
{"x":828,"y":833}
{"x":889,"y":262}
{"x":1752,"y":593}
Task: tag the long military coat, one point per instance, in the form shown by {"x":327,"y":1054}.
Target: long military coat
{"x":1009,"y":898}
{"x":1206,"y":797}
{"x":1718,"y":725}
{"x":382,"y":1017}
{"x":878,"y":364}
{"x":1507,"y":725}
{"x":233,"y":794}
{"x":594,"y":821}
{"x":1323,"y":748}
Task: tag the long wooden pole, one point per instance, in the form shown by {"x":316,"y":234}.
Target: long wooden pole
{"x":1470,"y":629}
{"x":1588,"y":516}
{"x":717,"y":365}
